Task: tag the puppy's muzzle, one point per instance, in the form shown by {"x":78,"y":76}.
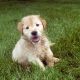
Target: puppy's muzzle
{"x":35,"y":38}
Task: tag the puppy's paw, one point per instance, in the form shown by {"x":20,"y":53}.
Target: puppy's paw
{"x":56,"y":59}
{"x":50,"y":64}
{"x":43,"y":68}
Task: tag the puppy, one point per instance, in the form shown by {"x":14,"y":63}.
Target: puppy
{"x":33,"y":46}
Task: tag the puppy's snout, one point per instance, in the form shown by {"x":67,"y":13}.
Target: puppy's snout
{"x":34,"y":33}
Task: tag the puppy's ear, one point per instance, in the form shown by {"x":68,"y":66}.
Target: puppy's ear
{"x":20,"y":26}
{"x":44,"y":23}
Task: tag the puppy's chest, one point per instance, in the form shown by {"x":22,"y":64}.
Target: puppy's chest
{"x":41,"y":52}
{"x":37,"y":50}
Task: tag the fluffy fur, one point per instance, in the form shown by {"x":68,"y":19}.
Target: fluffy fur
{"x":33,"y":48}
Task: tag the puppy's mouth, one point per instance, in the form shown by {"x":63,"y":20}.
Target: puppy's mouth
{"x":35,"y":39}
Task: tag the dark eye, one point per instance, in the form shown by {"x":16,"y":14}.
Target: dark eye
{"x":37,"y":25}
{"x":27,"y":27}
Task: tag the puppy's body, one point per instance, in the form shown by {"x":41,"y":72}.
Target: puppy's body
{"x":33,"y":50}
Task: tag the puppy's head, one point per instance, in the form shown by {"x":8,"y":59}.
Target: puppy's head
{"x":32,"y":27}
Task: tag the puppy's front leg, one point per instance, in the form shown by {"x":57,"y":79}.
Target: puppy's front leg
{"x":37,"y":61}
{"x":40,"y":64}
{"x":50,"y":59}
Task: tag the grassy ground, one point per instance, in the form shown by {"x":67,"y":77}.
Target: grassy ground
{"x":63,"y":28}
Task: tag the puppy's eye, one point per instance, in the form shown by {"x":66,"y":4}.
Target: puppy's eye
{"x":37,"y":25}
{"x":27,"y":27}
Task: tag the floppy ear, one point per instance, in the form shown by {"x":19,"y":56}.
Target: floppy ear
{"x":20,"y":26}
{"x":44,"y":23}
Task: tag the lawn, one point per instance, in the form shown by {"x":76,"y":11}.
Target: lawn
{"x":63,"y":28}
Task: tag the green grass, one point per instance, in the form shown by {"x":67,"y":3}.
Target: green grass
{"x":63,"y":28}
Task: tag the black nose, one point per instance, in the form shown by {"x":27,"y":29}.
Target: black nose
{"x":34,"y":33}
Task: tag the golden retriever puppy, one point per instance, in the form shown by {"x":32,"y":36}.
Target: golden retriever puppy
{"x":33,"y":46}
